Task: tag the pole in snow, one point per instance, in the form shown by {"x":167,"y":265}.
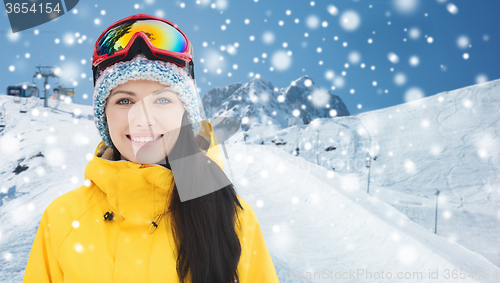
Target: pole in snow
{"x":436,"y":218}
{"x":369,"y":166}
{"x":317,"y":147}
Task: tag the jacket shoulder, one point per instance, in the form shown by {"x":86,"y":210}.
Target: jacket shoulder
{"x":75,"y":202}
{"x":67,"y":208}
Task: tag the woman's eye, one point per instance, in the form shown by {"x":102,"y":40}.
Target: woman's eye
{"x":166,"y":101}
{"x":119,"y":101}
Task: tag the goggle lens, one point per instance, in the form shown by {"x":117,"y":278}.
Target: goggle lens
{"x":161,"y":34}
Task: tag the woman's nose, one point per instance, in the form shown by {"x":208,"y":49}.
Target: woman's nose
{"x":140,"y":116}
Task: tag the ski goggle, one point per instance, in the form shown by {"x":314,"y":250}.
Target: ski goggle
{"x":156,"y":38}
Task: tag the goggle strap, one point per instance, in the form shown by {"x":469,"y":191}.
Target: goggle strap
{"x":191,"y":67}
{"x":171,"y":59}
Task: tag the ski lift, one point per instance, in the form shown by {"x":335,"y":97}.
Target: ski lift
{"x":64,"y":91}
{"x":45,"y":72}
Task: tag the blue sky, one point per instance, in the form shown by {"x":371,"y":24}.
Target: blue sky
{"x":373,"y":54}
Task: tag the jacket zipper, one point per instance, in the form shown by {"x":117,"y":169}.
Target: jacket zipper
{"x":155,"y":223}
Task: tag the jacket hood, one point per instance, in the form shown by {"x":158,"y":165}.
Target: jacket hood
{"x":137,"y":192}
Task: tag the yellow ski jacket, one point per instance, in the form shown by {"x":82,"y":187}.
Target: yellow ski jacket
{"x":74,"y":243}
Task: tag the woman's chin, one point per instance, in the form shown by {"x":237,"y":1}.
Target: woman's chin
{"x":148,"y":157}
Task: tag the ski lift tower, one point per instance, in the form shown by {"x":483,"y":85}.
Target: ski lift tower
{"x":46,"y":72}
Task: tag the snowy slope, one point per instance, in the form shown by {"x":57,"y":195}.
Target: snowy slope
{"x":319,"y":220}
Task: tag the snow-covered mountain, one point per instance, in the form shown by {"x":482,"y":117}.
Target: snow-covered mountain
{"x":313,"y":218}
{"x":263,"y":104}
{"x":448,"y":142}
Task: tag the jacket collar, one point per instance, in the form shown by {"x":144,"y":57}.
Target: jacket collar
{"x":137,"y":193}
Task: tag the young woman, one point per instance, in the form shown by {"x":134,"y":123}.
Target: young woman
{"x":156,"y":205}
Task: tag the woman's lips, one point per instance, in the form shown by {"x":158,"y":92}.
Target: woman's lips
{"x":146,"y":135}
{"x":145,"y":144}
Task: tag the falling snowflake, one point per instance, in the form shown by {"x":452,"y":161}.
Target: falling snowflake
{"x":281,"y":61}
{"x":463,"y":41}
{"x":350,"y":20}
{"x":406,"y":6}
{"x":413,"y":93}
{"x":393,"y":57}
{"x":452,"y":8}
{"x":320,"y":97}
{"x":312,"y":22}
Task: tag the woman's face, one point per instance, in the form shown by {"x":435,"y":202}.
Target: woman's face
{"x":144,"y":119}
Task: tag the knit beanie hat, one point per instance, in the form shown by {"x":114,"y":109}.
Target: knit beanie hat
{"x":141,"y":68}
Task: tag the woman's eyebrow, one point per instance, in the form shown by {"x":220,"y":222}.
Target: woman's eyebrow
{"x":122,"y":91}
{"x":167,"y":89}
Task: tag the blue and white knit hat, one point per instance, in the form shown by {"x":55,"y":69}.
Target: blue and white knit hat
{"x":141,"y":68}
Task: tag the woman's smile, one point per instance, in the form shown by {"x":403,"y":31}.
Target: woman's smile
{"x":145,"y":142}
